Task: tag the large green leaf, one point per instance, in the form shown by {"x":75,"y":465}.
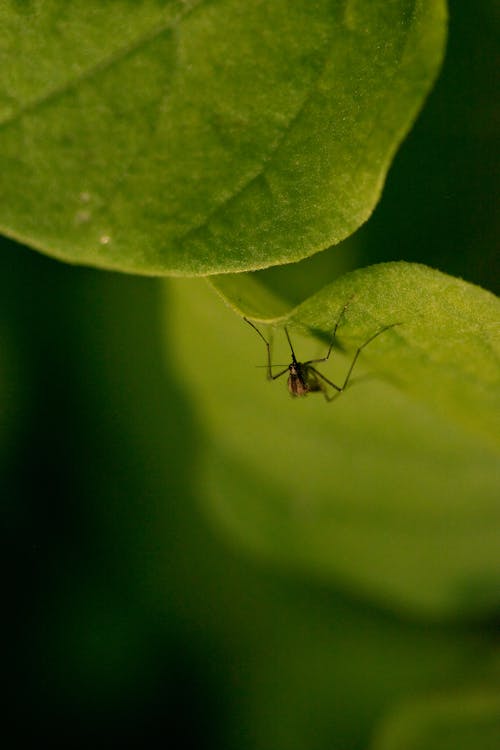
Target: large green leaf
{"x":196,"y":137}
{"x":392,"y":489}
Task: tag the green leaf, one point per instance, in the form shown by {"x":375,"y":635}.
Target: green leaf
{"x":195,"y":137}
{"x":392,"y":489}
{"x":273,"y":292}
{"x":461,"y":721}
{"x":448,"y":336}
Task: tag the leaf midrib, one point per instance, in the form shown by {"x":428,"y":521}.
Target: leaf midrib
{"x":102,"y":66}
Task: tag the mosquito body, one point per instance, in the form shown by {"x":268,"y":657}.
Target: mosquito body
{"x":302,"y":380}
{"x":303,"y":377}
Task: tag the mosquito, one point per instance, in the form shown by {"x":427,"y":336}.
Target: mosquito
{"x":303,"y":377}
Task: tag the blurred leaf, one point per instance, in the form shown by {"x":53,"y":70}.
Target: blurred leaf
{"x":468,"y":721}
{"x":191,"y":137}
{"x":136,"y":613}
{"x":391,"y":490}
{"x":329,"y":673}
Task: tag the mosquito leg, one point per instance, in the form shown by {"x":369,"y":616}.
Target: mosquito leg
{"x":320,"y":375}
{"x":324,"y":389}
{"x":360,"y":349}
{"x":332,"y":397}
{"x":339,"y":388}
{"x":275,"y":377}
{"x":334,"y":333}
{"x":270,"y":375}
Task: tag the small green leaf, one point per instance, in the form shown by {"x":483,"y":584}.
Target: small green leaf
{"x":273,"y":292}
{"x":392,"y":489}
{"x":249,"y":296}
{"x":195,"y":137}
{"x":447,"y":351}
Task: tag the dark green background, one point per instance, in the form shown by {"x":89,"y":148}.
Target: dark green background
{"x":127,"y":617}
